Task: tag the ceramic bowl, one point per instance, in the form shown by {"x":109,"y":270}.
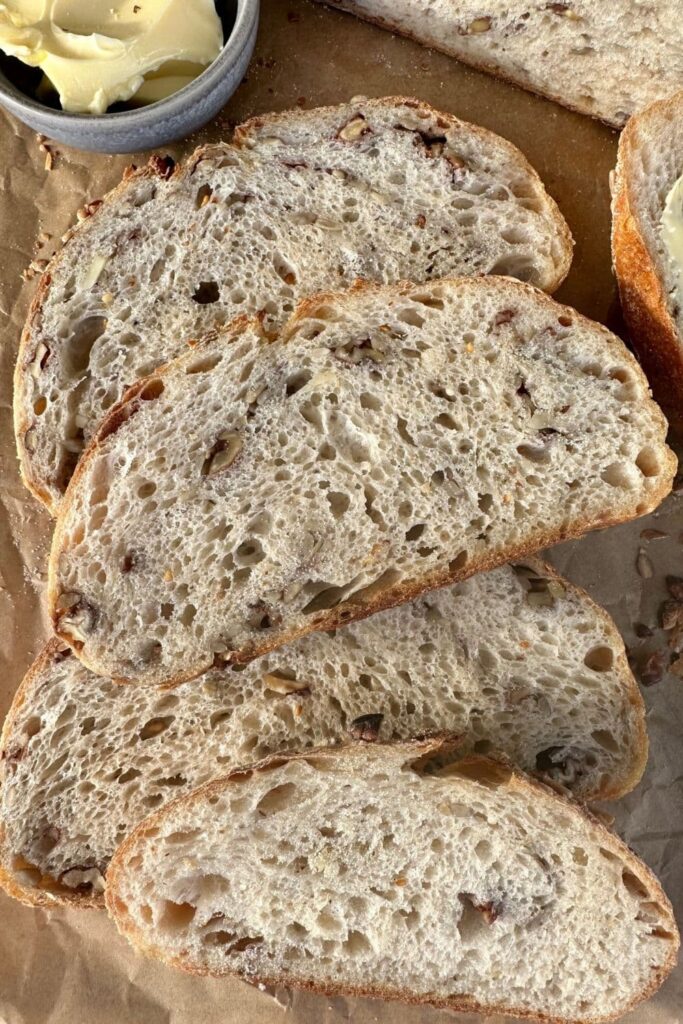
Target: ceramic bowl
{"x":147,"y":127}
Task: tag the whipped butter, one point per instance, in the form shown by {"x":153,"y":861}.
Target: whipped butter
{"x":98,"y":52}
{"x":672,"y":235}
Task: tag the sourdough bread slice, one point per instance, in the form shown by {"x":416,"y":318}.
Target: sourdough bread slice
{"x":516,"y":660}
{"x":302,"y":202}
{"x":650,"y":162}
{"x":577,"y":53}
{"x":390,"y":441}
{"x":357,"y":870}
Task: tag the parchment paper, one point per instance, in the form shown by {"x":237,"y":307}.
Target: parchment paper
{"x":64,"y":967}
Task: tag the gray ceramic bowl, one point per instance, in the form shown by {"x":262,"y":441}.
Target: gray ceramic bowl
{"x":154,"y":125}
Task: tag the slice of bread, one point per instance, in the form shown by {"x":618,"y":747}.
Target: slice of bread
{"x":359,"y":871}
{"x":390,"y":441}
{"x":516,"y":660}
{"x":576,"y":52}
{"x":301,"y":202}
{"x":650,"y":162}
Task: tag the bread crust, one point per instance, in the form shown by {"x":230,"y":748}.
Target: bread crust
{"x":160,"y":169}
{"x":643,"y":297}
{"x":408,"y":752}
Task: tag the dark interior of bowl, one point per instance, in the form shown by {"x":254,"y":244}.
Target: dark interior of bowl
{"x":27,"y":80}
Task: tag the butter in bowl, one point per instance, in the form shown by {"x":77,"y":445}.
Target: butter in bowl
{"x":122,"y":76}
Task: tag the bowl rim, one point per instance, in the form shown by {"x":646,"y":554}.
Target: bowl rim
{"x":149,"y":114}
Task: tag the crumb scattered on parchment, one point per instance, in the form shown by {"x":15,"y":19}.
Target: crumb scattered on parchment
{"x":48,"y":149}
{"x":650,"y":666}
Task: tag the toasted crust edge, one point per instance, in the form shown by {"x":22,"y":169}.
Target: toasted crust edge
{"x":158,"y":168}
{"x":643,"y":298}
{"x":413,"y":751}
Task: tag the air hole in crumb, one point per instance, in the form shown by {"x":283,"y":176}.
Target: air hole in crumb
{"x":370,"y":402}
{"x":176,"y":917}
{"x":297,"y":381}
{"x":411,"y":316}
{"x":599,"y":659}
{"x":40,"y":405}
{"x":79,"y":345}
{"x":458,"y":563}
{"x":204,"y":365}
{"x":276,"y":799}
{"x":206,"y":293}
{"x":155,"y":726}
{"x":356,"y":944}
{"x":146,"y":489}
{"x":32,"y":726}
{"x":648,"y":463}
{"x":339,"y":503}
{"x":188,"y":615}
{"x":151,"y":390}
{"x":415,"y":532}
{"x":634,"y":885}
{"x":606,"y":740}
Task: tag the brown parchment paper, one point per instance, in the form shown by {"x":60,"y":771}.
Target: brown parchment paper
{"x":65,"y":967}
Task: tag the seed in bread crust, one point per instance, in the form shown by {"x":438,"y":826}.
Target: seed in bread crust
{"x":366,"y":727}
{"x":354,"y":129}
{"x":224,"y":452}
{"x":76,"y":616}
{"x":479,"y":25}
{"x":488,"y":909}
{"x":278,"y":682}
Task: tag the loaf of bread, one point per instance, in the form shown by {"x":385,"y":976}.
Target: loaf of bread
{"x":647,"y":245}
{"x":516,"y":660}
{"x":359,"y":871}
{"x":300,"y":202}
{"x":604,"y":59}
{"x":389,"y":441}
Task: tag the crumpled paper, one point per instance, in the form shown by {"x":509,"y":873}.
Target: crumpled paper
{"x":67,"y":967}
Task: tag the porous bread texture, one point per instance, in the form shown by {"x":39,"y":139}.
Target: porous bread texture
{"x":516,"y":660}
{"x":576,"y":52}
{"x":301,"y":202}
{"x":390,"y":441}
{"x":650,"y":161}
{"x":356,"y":870}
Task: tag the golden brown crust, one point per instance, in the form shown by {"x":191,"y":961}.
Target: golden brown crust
{"x":643,"y":298}
{"x":350,"y":611}
{"x":414,"y":751}
{"x":157,"y":168}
